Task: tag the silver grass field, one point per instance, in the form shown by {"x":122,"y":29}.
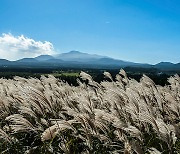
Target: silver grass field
{"x":48,"y":115}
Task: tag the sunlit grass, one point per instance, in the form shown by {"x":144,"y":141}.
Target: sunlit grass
{"x":48,"y":115}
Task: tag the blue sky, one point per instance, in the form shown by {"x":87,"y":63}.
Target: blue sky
{"x":145,"y":31}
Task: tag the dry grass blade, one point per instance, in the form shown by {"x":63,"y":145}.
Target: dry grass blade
{"x":122,"y":116}
{"x":4,"y":136}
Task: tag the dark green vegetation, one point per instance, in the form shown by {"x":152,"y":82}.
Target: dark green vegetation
{"x":71,"y":74}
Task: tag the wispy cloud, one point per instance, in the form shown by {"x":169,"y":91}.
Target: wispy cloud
{"x":17,"y":47}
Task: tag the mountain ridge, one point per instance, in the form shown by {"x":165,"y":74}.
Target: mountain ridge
{"x":80,"y":59}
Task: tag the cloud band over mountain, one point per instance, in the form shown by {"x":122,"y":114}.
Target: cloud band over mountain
{"x":16,"y":47}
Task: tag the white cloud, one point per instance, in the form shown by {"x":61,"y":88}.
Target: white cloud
{"x":17,"y":47}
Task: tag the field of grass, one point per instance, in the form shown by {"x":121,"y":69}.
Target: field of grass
{"x":121,"y":115}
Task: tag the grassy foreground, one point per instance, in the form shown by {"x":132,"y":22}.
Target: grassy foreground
{"x":122,"y":116}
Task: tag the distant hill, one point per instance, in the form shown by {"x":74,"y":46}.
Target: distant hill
{"x":3,"y":61}
{"x":54,"y":61}
{"x":167,"y":66}
{"x":111,"y":61}
{"x":44,"y":57}
{"x":78,"y":56}
{"x":164,"y":64}
{"x":27,"y":60}
{"x":178,"y":64}
{"x":92,"y":59}
{"x":76,"y":59}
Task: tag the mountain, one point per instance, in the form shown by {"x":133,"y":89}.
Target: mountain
{"x":4,"y":62}
{"x":92,"y":60}
{"x":167,"y":66}
{"x":111,"y":61}
{"x":76,"y":59}
{"x":53,"y":61}
{"x":27,"y":60}
{"x":164,"y":64}
{"x":44,"y":57}
{"x":178,"y":64}
{"x":78,"y":56}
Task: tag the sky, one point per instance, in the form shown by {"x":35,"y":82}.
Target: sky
{"x":145,"y":31}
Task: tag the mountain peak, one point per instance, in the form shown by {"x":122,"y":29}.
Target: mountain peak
{"x":78,"y":56}
{"x":44,"y":57}
{"x":165,"y":63}
{"x":75,"y":52}
{"x":29,"y":60}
